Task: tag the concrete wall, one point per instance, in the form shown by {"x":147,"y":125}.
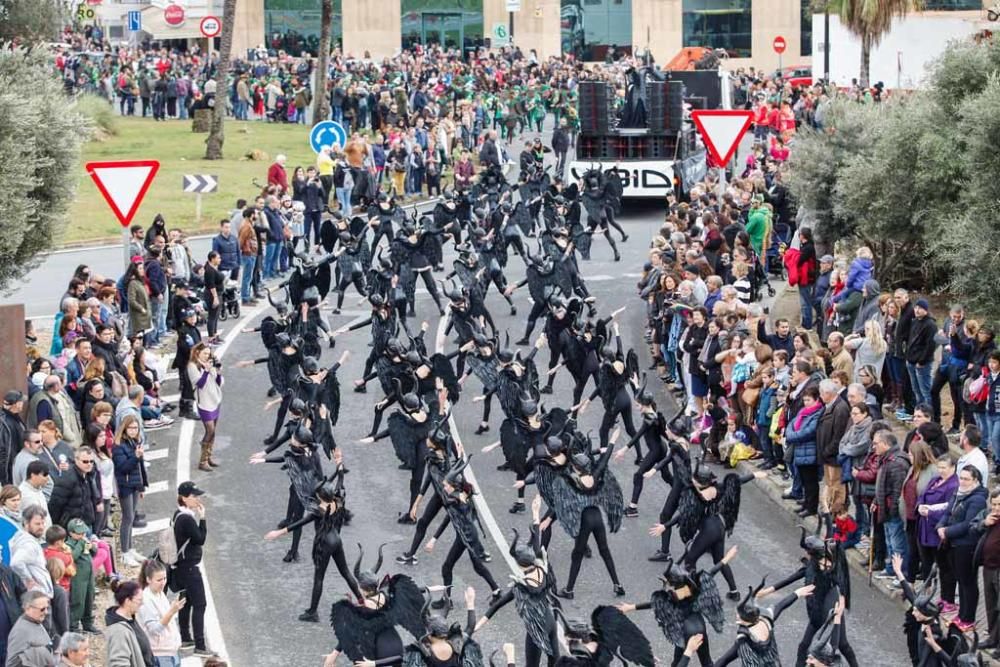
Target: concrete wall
{"x":901,"y":58}
{"x":536,"y":27}
{"x":371,"y":26}
{"x":656,"y":24}
{"x":248,"y":28}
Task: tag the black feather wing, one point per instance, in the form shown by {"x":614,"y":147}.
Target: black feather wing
{"x":729,"y":500}
{"x":357,"y":629}
{"x":611,"y":500}
{"x":709,"y":602}
{"x":323,"y":280}
{"x":562,"y":497}
{"x":621,"y":636}
{"x":413,"y":657}
{"x":485,"y":369}
{"x":406,"y":603}
{"x":513,"y":444}
{"x":328,"y":235}
{"x":669,"y":617}
{"x":536,"y":613}
{"x":472,"y":654}
{"x":330,"y":396}
{"x":406,"y":437}
{"x":441,"y":367}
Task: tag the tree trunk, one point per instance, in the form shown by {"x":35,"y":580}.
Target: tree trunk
{"x":321,"y":100}
{"x":216,"y":136}
{"x":866,"y":59}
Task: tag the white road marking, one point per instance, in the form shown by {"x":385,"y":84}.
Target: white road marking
{"x":599,"y":278}
{"x":156,"y":454}
{"x":154,"y":526}
{"x":482,"y":507}
{"x":158,"y":487}
{"x":213,"y":629}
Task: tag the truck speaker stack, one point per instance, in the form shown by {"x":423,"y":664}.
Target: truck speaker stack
{"x":596,"y":109}
{"x":665,"y":106}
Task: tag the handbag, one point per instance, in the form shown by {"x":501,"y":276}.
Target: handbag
{"x":976,"y":390}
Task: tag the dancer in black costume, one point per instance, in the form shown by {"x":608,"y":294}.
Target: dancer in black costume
{"x":458,"y":503}
{"x":609,"y":635}
{"x":755,"y":643}
{"x":579,"y":491}
{"x":329,"y":513}
{"x":366,"y":628}
{"x":686,"y":601}
{"x":601,"y":198}
{"x":305,"y":473}
{"x":441,"y":456}
{"x":924,"y":635}
{"x":532,"y":592}
{"x":618,"y":371}
{"x":483,"y":363}
{"x":381,"y":215}
{"x":706,"y":513}
{"x":653,"y":431}
{"x":444,"y":644}
{"x":825,"y":568}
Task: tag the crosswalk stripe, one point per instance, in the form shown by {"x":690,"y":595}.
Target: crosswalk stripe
{"x":158,"y":487}
{"x":156,"y":454}
{"x":154,"y":526}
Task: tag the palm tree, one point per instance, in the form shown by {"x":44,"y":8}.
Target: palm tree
{"x":321,"y":101}
{"x":870,"y":20}
{"x":216,"y":135}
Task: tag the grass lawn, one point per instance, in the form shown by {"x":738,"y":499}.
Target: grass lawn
{"x":180,"y":151}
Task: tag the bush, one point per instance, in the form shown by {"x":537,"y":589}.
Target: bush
{"x":40,"y":141}
{"x":101,"y":115}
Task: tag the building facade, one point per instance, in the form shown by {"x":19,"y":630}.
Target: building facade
{"x":591,"y":29}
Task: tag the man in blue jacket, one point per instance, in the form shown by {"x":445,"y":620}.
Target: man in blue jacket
{"x":156,"y":278}
{"x":226,"y":245}
{"x":956,"y":349}
{"x":275,"y":235}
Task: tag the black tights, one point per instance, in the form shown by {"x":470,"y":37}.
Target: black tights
{"x":704,"y":653}
{"x":321,"y":561}
{"x":358,"y":279}
{"x":581,"y":384}
{"x":711,"y":539}
{"x":653,"y":456}
{"x":293,"y":513}
{"x":434,"y":506}
{"x":623,"y":407}
{"x":537,"y":309}
{"x":591,"y":523}
{"x":448,"y":567}
{"x":667,"y":511}
{"x":533,"y":653}
{"x":432,"y":289}
{"x":286,"y":400}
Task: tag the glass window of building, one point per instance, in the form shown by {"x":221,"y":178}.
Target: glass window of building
{"x":806,"y":29}
{"x":719,"y":24}
{"x":293,"y":26}
{"x":953,"y":5}
{"x":596,"y":30}
{"x":452,"y":24}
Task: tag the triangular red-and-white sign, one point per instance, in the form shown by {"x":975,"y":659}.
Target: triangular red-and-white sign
{"x":123,"y":184}
{"x":721,"y":130}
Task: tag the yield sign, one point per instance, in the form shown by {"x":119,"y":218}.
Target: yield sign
{"x":123,"y":184}
{"x":721,"y":130}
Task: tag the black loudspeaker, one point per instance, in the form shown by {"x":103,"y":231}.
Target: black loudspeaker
{"x":675,"y":105}
{"x":665,"y":106}
{"x":595,"y":107}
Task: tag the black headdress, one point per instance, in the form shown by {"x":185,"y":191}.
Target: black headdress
{"x":644,"y":397}
{"x":748,"y":611}
{"x":824,"y":646}
{"x":523,"y":554}
{"x":368,"y":580}
{"x":970,"y":659}
{"x":924,"y":601}
{"x":701,"y":475}
{"x":331,"y":489}
{"x":439,"y":437}
{"x":677,"y":575}
{"x":505,"y":354}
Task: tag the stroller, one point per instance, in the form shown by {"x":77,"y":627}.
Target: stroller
{"x":781,"y":237}
{"x":230,"y":300}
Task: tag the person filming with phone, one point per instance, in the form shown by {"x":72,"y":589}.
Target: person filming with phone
{"x":190,"y":531}
{"x":158,"y":614}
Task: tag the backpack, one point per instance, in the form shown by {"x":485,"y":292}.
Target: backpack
{"x":167,"y":552}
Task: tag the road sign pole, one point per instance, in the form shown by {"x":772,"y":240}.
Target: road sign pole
{"x":126,"y":240}
{"x":197,"y":207}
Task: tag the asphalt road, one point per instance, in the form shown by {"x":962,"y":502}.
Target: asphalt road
{"x":258,"y":597}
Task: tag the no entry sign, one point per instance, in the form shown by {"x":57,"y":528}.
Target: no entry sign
{"x":211,"y":26}
{"x":779,"y":44}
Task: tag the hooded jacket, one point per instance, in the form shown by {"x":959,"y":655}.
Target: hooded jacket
{"x":126,"y":641}
{"x":962,"y":511}
{"x":869,"y":306}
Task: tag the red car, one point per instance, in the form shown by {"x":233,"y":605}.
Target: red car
{"x":796,"y":75}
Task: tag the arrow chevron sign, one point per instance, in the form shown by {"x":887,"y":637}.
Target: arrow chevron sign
{"x":200,"y":183}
